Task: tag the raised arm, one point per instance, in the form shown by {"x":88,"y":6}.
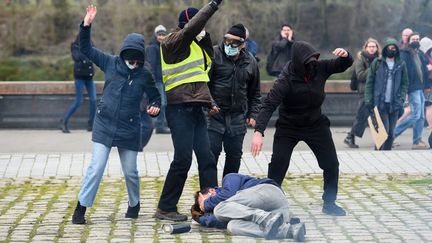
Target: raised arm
{"x":95,"y":55}
{"x":343,"y":61}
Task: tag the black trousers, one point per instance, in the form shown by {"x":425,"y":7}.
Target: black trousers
{"x":189,"y":133}
{"x":233,"y":147}
{"x":360,"y":122}
{"x":320,"y":141}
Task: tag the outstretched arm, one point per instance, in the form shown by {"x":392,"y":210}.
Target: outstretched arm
{"x":95,"y":55}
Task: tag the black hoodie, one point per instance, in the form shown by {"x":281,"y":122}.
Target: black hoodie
{"x":300,"y":99}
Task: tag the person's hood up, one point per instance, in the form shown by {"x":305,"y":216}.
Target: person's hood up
{"x":425,"y":44}
{"x":301,"y":52}
{"x":134,"y":41}
{"x":388,"y":42}
{"x":154,"y":41}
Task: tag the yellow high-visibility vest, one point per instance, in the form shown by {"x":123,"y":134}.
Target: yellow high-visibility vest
{"x":190,"y":70}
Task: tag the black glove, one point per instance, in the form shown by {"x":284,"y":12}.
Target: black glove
{"x":370,"y":108}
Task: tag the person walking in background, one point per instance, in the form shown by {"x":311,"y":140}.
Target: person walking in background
{"x":426,"y":47}
{"x":371,"y":50}
{"x":117,"y":123}
{"x":186,"y":60}
{"x":280,"y":52}
{"x":83,"y":74}
{"x":235,"y":87}
{"x":153,"y":57}
{"x":418,"y":81}
{"x":299,"y":91}
{"x":386,"y":88}
{"x":251,"y":46}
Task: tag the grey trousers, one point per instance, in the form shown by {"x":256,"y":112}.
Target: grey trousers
{"x":248,"y":208}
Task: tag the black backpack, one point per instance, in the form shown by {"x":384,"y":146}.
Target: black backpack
{"x":354,"y":81}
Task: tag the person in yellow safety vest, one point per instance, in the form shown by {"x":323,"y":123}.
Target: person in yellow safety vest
{"x":186,"y":59}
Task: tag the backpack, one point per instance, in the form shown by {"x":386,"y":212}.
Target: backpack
{"x":354,"y":81}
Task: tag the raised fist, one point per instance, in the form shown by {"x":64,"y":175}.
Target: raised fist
{"x":90,"y":15}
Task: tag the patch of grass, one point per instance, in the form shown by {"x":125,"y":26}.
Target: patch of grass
{"x":112,"y":217}
{"x":427,"y":181}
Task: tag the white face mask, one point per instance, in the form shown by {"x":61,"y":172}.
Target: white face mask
{"x":131,"y":67}
{"x":201,"y":35}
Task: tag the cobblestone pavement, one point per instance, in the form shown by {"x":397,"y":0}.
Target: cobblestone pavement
{"x":381,"y":208}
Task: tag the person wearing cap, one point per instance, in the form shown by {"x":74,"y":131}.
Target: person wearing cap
{"x":235,"y":87}
{"x":153,"y":57}
{"x":299,"y":90}
{"x":186,"y":60}
{"x":117,"y":121}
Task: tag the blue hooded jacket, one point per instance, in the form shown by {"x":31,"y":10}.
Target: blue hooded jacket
{"x":117,"y":122}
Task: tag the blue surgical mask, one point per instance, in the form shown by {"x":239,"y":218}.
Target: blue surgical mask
{"x":231,"y":51}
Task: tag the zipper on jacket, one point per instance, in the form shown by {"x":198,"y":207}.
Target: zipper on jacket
{"x":130,"y":82}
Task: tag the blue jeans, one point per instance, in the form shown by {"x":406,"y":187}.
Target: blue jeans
{"x":96,"y":169}
{"x":189,"y":134}
{"x":79,"y":96}
{"x":416,"y":118}
{"x":161,"y":119}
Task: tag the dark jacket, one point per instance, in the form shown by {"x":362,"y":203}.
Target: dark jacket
{"x":235,"y":87}
{"x":376,"y":82}
{"x":231,"y":184}
{"x":83,"y":67}
{"x":176,"y":48}
{"x":300,"y":100}
{"x":279,"y":56}
{"x":153,"y":57}
{"x":415,"y":82}
{"x":117,"y":122}
{"x":361,"y":66}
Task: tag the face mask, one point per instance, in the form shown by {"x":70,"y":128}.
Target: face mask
{"x":131,"y":67}
{"x":311,"y":68}
{"x":231,"y":51}
{"x":415,"y":45}
{"x":200,"y":35}
{"x":391,"y":53}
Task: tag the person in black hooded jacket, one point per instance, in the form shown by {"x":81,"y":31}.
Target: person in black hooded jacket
{"x":299,"y":91}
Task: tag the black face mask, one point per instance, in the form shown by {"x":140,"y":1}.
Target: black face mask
{"x":415,"y":45}
{"x":390,"y":53}
{"x":311,"y":69}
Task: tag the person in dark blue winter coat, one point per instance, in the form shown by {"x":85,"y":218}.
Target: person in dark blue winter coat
{"x":117,"y":122}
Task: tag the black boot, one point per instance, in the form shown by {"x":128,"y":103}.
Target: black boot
{"x":350,"y":141}
{"x":297,"y":232}
{"x":430,"y":140}
{"x":132,"y":212}
{"x":79,"y":213}
{"x":63,"y":127}
{"x":331,"y":208}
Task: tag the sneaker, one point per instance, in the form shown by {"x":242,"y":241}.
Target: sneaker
{"x":63,"y":127}
{"x":350,"y":141}
{"x":163,"y":130}
{"x":271,"y":224}
{"x":420,"y":145}
{"x":132,"y":212}
{"x":79,"y":214}
{"x":173,"y":216}
{"x":297,"y":232}
{"x":331,"y":208}
{"x":430,"y":140}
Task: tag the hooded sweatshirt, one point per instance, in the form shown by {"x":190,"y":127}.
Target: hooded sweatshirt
{"x":300,"y":98}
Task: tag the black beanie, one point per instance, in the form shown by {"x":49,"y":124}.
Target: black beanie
{"x":186,"y":15}
{"x":132,"y":55}
{"x":238,"y":30}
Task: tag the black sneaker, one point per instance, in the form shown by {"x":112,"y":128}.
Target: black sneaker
{"x":350,"y":141}
{"x":63,"y":127}
{"x":132,"y":212}
{"x":331,"y":208}
{"x":79,"y":214}
{"x":271,"y":224}
{"x":297,"y":232}
{"x":430,"y":140}
{"x":173,"y":216}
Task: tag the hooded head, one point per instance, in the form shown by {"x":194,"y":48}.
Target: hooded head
{"x":304,"y":59}
{"x":386,"y":52}
{"x":133,"y":48}
{"x":425,"y":44}
{"x":185,"y":16}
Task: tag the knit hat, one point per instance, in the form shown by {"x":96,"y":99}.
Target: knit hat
{"x":238,"y":30}
{"x":186,"y":15}
{"x":160,"y":30}
{"x":132,"y":54}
